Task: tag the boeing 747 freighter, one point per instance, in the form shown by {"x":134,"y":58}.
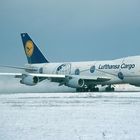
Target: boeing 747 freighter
{"x":83,"y":76}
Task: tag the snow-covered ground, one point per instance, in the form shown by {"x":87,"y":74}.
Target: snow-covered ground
{"x":70,"y":116}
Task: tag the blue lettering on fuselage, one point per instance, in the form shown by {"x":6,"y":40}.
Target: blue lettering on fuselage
{"x":122,"y":66}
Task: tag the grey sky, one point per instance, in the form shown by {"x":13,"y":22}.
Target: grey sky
{"x":70,"y":30}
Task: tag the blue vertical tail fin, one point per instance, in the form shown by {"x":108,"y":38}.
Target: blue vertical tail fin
{"x":34,"y":55}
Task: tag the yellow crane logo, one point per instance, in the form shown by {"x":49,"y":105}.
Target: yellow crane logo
{"x":29,"y":48}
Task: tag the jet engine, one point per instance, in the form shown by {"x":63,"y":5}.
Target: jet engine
{"x":75,"y":83}
{"x":29,"y":80}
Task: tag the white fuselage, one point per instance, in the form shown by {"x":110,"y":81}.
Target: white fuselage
{"x":124,"y":70}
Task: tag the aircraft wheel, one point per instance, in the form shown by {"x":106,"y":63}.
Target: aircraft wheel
{"x":94,"y":90}
{"x":113,"y":89}
{"x":109,"y":89}
{"x":78,"y":90}
{"x":97,"y":89}
{"x":82,"y":90}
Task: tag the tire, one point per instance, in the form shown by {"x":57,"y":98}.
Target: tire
{"x":82,"y":90}
{"x":94,"y":90}
{"x":108,"y":89}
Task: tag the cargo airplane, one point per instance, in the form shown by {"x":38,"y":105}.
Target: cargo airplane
{"x":83,"y":76}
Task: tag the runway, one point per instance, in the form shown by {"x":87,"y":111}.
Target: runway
{"x":70,"y":116}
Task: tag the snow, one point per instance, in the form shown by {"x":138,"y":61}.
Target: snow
{"x":70,"y":116}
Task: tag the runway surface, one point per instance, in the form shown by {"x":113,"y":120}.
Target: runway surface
{"x":70,"y":116}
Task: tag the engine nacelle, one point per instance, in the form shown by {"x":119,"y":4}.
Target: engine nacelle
{"x":75,"y":83}
{"x":29,"y":80}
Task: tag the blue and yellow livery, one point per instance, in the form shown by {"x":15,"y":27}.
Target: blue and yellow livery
{"x":34,"y":55}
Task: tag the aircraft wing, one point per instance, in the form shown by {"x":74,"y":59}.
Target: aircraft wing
{"x":94,"y":78}
{"x":68,"y":80}
{"x":10,"y":74}
{"x":19,"y":75}
{"x":58,"y":76}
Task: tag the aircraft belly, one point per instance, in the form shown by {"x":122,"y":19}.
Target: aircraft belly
{"x":133,"y":80}
{"x":114,"y":81}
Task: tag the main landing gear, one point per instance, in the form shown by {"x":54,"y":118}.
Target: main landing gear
{"x":95,"y":89}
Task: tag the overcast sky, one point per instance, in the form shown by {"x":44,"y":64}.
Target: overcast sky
{"x":70,"y":30}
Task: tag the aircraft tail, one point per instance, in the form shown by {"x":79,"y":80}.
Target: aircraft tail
{"x":34,"y":55}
